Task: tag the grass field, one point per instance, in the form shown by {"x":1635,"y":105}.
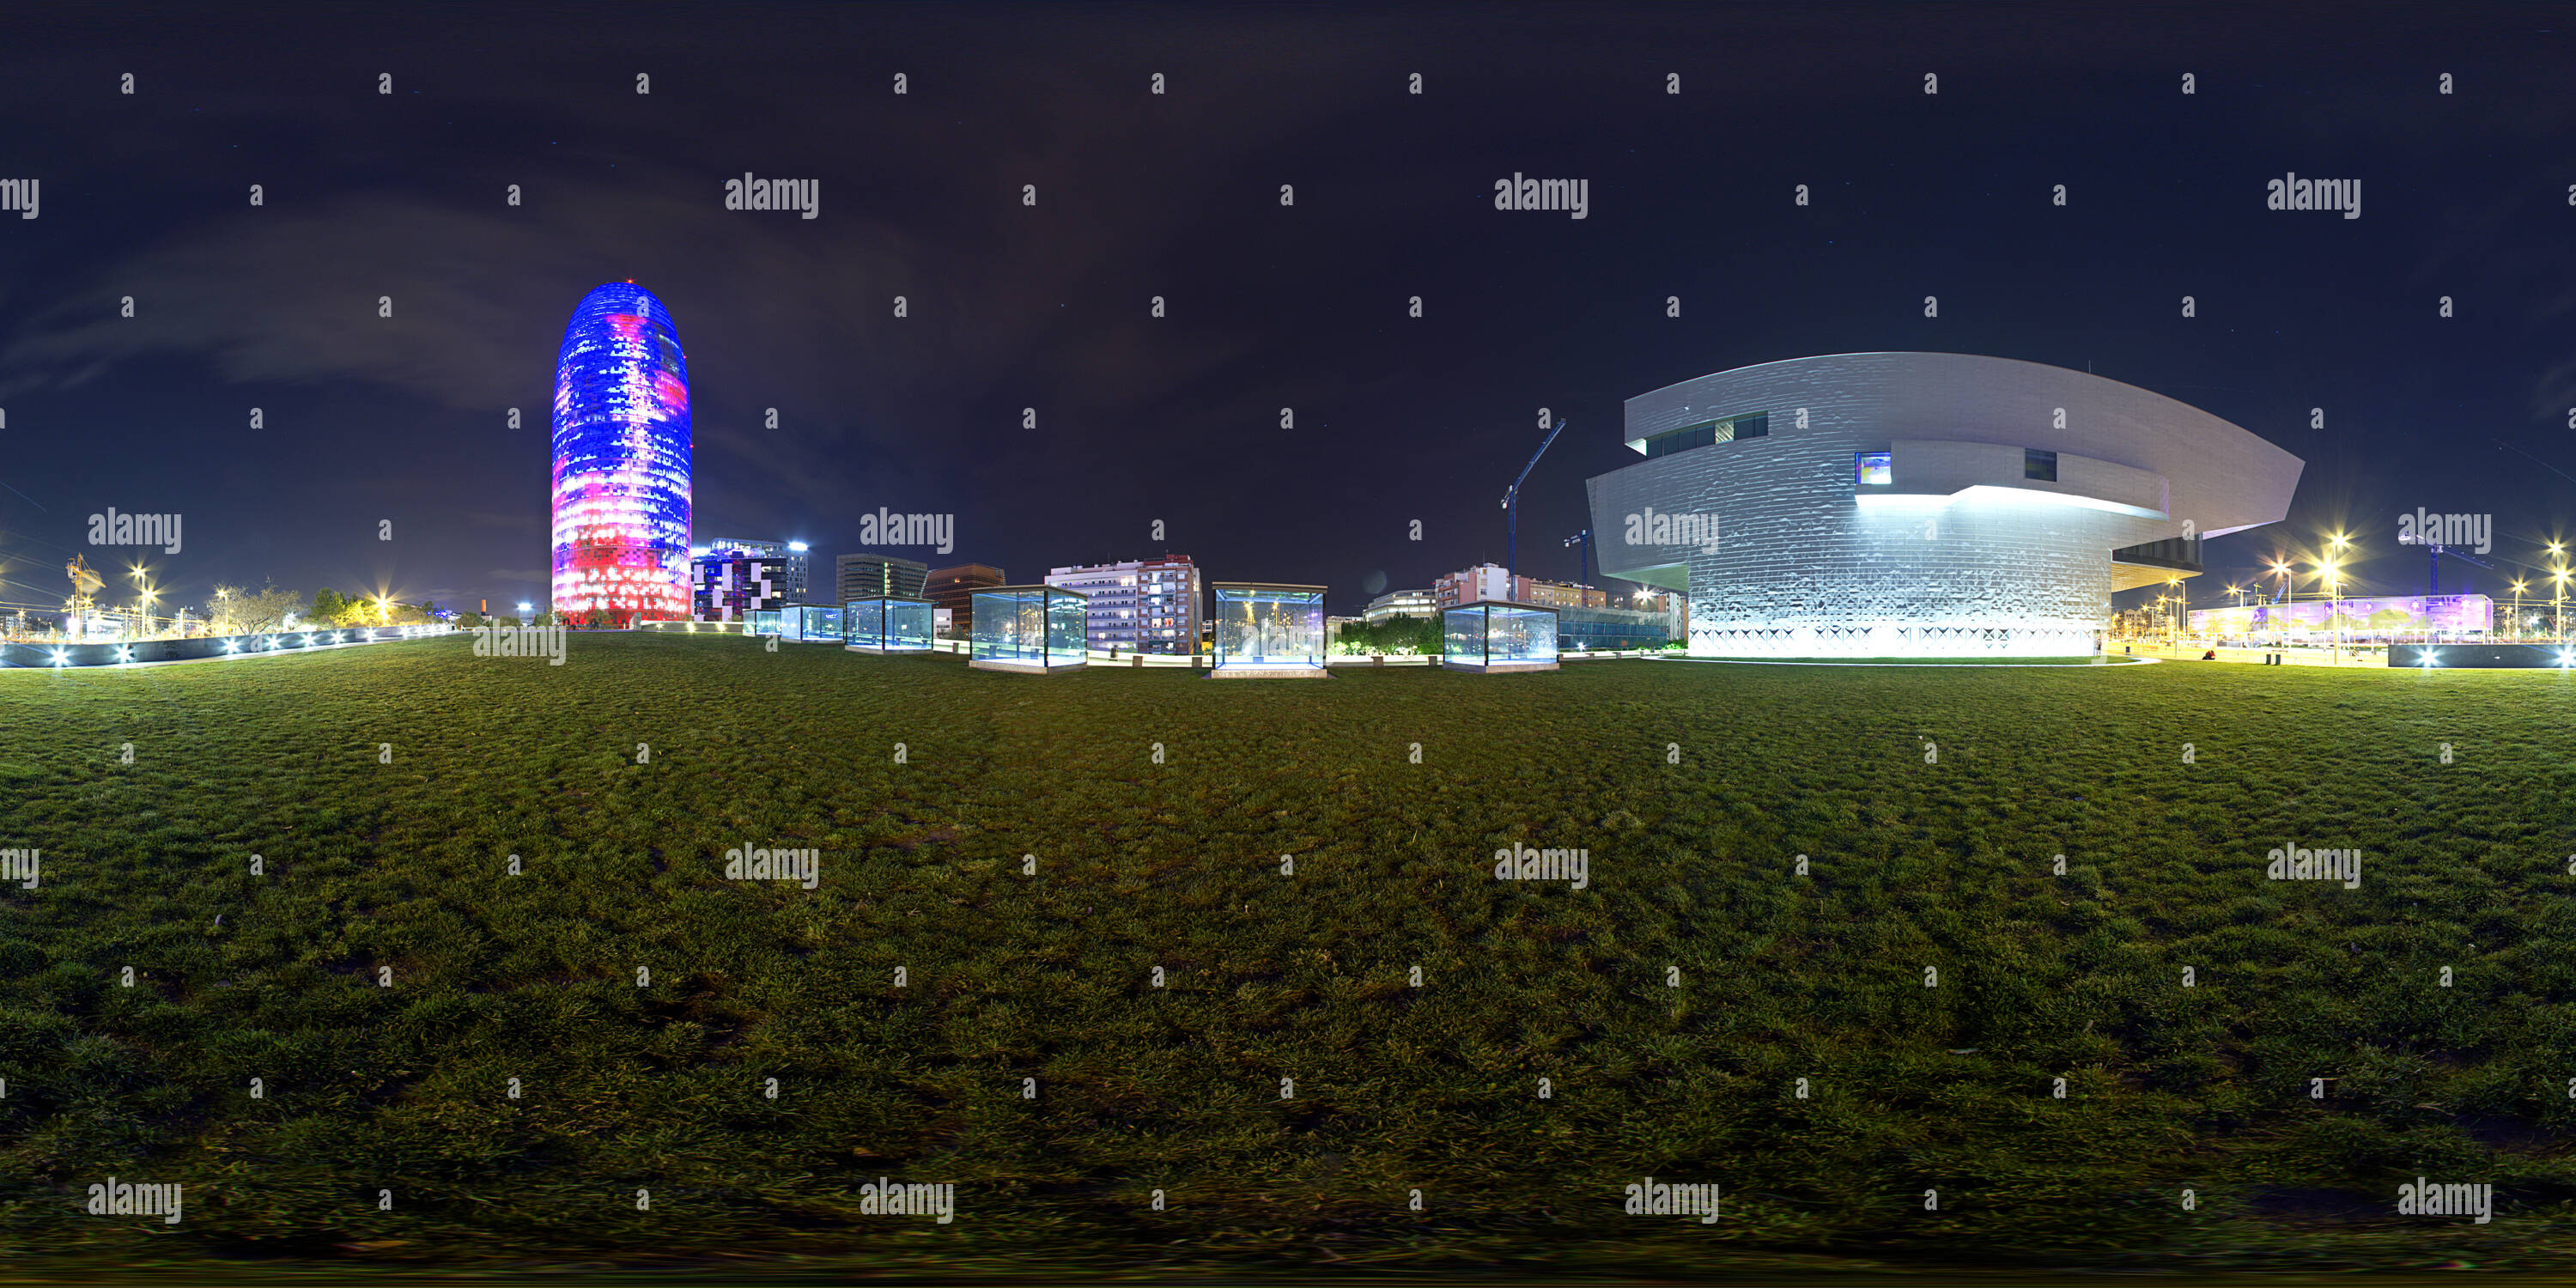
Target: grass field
{"x":1918,"y":857}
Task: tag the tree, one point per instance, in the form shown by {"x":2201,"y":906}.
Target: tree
{"x":264,"y":611}
{"x":1402,"y":636}
{"x":223,"y":611}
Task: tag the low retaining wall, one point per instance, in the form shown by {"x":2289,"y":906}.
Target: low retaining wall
{"x":2482,"y":657}
{"x":51,"y":656}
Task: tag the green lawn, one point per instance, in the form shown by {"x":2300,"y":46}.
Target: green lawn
{"x":1012,"y":977}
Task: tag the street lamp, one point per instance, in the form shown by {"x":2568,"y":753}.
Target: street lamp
{"x":2280,"y":631}
{"x":2517,"y":610}
{"x":2557,"y":603}
{"x":2334,"y":608}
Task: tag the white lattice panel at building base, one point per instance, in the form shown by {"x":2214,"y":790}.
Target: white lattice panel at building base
{"x":1892,"y":639}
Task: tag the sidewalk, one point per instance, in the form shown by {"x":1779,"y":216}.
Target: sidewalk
{"x":2292,"y":656}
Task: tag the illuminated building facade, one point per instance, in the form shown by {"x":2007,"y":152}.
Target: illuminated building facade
{"x":872,"y":576}
{"x":1140,"y":606}
{"x":731,"y":585}
{"x":621,"y":460}
{"x":1402,"y":603}
{"x":1920,"y":504}
{"x":789,"y":562}
{"x":2352,"y":617}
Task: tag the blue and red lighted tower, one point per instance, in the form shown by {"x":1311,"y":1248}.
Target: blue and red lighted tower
{"x":621,"y":445}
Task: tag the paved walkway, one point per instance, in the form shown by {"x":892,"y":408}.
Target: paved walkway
{"x":2289,"y":656}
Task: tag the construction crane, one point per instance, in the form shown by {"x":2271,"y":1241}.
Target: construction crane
{"x":85,"y":584}
{"x":1511,"y":504}
{"x":1583,"y":539}
{"x":2434,"y":585}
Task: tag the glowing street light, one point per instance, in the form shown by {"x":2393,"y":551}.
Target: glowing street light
{"x":2334,"y":611}
{"x":2517,"y":610}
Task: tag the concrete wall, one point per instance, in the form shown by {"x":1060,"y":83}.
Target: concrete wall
{"x":212,"y":646}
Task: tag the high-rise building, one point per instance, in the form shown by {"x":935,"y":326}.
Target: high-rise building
{"x":1140,"y":606}
{"x":788,"y":559}
{"x":621,"y":460}
{"x":954,"y":589}
{"x":862,"y":576}
{"x":730,"y":585}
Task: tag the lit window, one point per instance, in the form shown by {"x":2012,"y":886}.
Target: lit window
{"x":1875,"y":469}
{"x":2036,"y":464}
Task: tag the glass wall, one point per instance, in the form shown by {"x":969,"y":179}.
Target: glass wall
{"x":1039,"y":626}
{"x":1514,"y":634}
{"x":863,"y":623}
{"x":1067,"y":620}
{"x":1462,"y":634}
{"x":1269,"y":625}
{"x":1497,"y":634}
{"x":1009,"y":627}
{"x":821,"y":625}
{"x":908,"y":624}
{"x":765,"y":621}
{"x":884,"y":622}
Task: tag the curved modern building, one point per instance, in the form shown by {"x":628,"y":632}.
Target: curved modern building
{"x":621,"y":448}
{"x":1920,"y":504}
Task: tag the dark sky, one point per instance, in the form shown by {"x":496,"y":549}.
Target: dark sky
{"x":1177,"y":195}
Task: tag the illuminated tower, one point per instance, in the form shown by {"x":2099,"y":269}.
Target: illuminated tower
{"x":621,"y":440}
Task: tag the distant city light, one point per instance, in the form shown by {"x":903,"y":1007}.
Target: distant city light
{"x":798,"y":546}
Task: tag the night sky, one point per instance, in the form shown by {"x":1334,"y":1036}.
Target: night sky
{"x":367,"y":195}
